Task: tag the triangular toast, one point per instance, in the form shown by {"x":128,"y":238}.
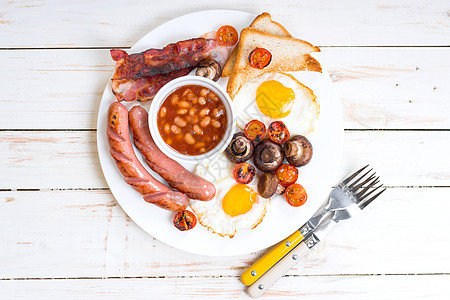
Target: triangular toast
{"x":288,"y":54}
{"x":264,"y":23}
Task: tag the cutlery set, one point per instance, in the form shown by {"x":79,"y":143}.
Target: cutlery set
{"x":347,"y":200}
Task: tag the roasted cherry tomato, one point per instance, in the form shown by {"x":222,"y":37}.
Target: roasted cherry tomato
{"x":296,"y":195}
{"x":244,"y":173}
{"x":278,"y":132}
{"x":185,"y":220}
{"x":260,"y":58}
{"x":255,"y":130}
{"x":227,"y":35}
{"x":287,"y":174}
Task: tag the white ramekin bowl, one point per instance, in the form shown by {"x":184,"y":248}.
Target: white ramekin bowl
{"x":164,"y":92}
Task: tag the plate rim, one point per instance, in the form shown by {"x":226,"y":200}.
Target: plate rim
{"x":125,"y":206}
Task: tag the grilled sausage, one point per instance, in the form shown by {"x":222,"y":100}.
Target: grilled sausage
{"x":130,"y":167}
{"x":175,"y":174}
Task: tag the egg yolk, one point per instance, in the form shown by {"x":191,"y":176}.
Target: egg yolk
{"x":238,"y":200}
{"x":274,"y":99}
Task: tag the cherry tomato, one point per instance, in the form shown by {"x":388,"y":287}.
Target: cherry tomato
{"x":296,"y":195}
{"x":287,"y":174}
{"x":255,"y":130}
{"x":278,"y":132}
{"x":244,"y":173}
{"x":260,"y":58}
{"x":185,"y":220}
{"x":227,"y":35}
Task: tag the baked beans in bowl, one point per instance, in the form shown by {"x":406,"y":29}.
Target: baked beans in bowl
{"x":191,"y":118}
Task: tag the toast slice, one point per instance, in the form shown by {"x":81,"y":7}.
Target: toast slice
{"x":296,"y":63}
{"x":288,"y":54}
{"x":264,"y":23}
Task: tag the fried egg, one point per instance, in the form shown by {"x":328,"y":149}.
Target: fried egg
{"x":235,"y":206}
{"x":277,"y":97}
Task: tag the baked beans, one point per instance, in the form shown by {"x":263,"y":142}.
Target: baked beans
{"x":192,"y":120}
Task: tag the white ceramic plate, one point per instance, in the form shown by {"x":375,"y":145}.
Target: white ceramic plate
{"x":281,"y":219}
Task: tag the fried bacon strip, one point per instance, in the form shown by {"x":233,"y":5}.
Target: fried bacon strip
{"x":140,"y":76}
{"x":145,"y":88}
{"x":173,"y":57}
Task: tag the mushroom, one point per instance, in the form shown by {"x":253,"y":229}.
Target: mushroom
{"x":280,"y":189}
{"x":267,"y":185}
{"x":268,"y":156}
{"x":240,"y":149}
{"x":298,"y":150}
{"x":209,"y":68}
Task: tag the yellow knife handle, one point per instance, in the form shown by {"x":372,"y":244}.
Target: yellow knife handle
{"x":271,"y":258}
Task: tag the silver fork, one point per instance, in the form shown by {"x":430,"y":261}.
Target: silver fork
{"x":359,"y":200}
{"x":354,"y":190}
{"x":344,"y":195}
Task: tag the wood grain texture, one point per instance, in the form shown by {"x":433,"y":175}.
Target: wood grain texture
{"x":315,"y":287}
{"x":104,"y":24}
{"x":380,"y":88}
{"x":64,"y":236}
{"x":75,"y":234}
{"x":43,"y":159}
{"x":69,"y":159}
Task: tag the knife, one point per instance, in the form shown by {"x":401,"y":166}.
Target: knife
{"x":261,"y":266}
{"x":277,"y":271}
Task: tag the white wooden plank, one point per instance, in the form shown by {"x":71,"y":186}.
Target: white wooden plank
{"x":60,"y":234}
{"x":309,"y":288}
{"x":387,"y":88}
{"x":53,"y":88}
{"x":122,"y":23}
{"x":39,"y":159}
{"x":379,"y":87}
{"x":69,"y":159}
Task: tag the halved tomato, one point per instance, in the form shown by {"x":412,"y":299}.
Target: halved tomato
{"x":287,"y":174}
{"x":260,"y":58}
{"x":296,"y":195}
{"x":278,"y":132}
{"x":227,"y":35}
{"x":255,"y":130}
{"x":244,"y":173}
{"x":185,"y":220}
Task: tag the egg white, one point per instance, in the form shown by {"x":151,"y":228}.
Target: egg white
{"x":304,"y":111}
{"x":211,"y":214}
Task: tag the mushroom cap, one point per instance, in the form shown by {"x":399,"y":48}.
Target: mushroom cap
{"x":267,"y":185}
{"x":209,"y":68}
{"x":298,"y":150}
{"x":240,"y":148}
{"x":268,"y":156}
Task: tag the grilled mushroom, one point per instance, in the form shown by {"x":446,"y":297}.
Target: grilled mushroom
{"x":209,"y":68}
{"x":280,"y":189}
{"x":267,"y":185}
{"x":298,"y":150}
{"x":268,"y":156}
{"x":240,"y":149}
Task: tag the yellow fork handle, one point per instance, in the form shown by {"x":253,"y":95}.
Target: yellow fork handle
{"x":266,"y":262}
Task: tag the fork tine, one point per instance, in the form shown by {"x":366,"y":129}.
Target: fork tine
{"x":374,"y":188}
{"x":368,"y":201}
{"x":349,"y":178}
{"x":357,"y":180}
{"x":354,"y":188}
{"x":361,"y":195}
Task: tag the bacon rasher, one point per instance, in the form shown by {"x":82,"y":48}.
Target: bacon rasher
{"x":140,"y":76}
{"x":145,"y":88}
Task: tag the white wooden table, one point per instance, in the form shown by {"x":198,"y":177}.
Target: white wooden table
{"x":62,"y":235}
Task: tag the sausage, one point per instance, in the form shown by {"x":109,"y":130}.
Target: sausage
{"x":175,"y":174}
{"x":132,"y":170}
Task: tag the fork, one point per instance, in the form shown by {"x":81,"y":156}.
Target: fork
{"x":360,"y":201}
{"x":352,"y":191}
{"x":343,"y":196}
